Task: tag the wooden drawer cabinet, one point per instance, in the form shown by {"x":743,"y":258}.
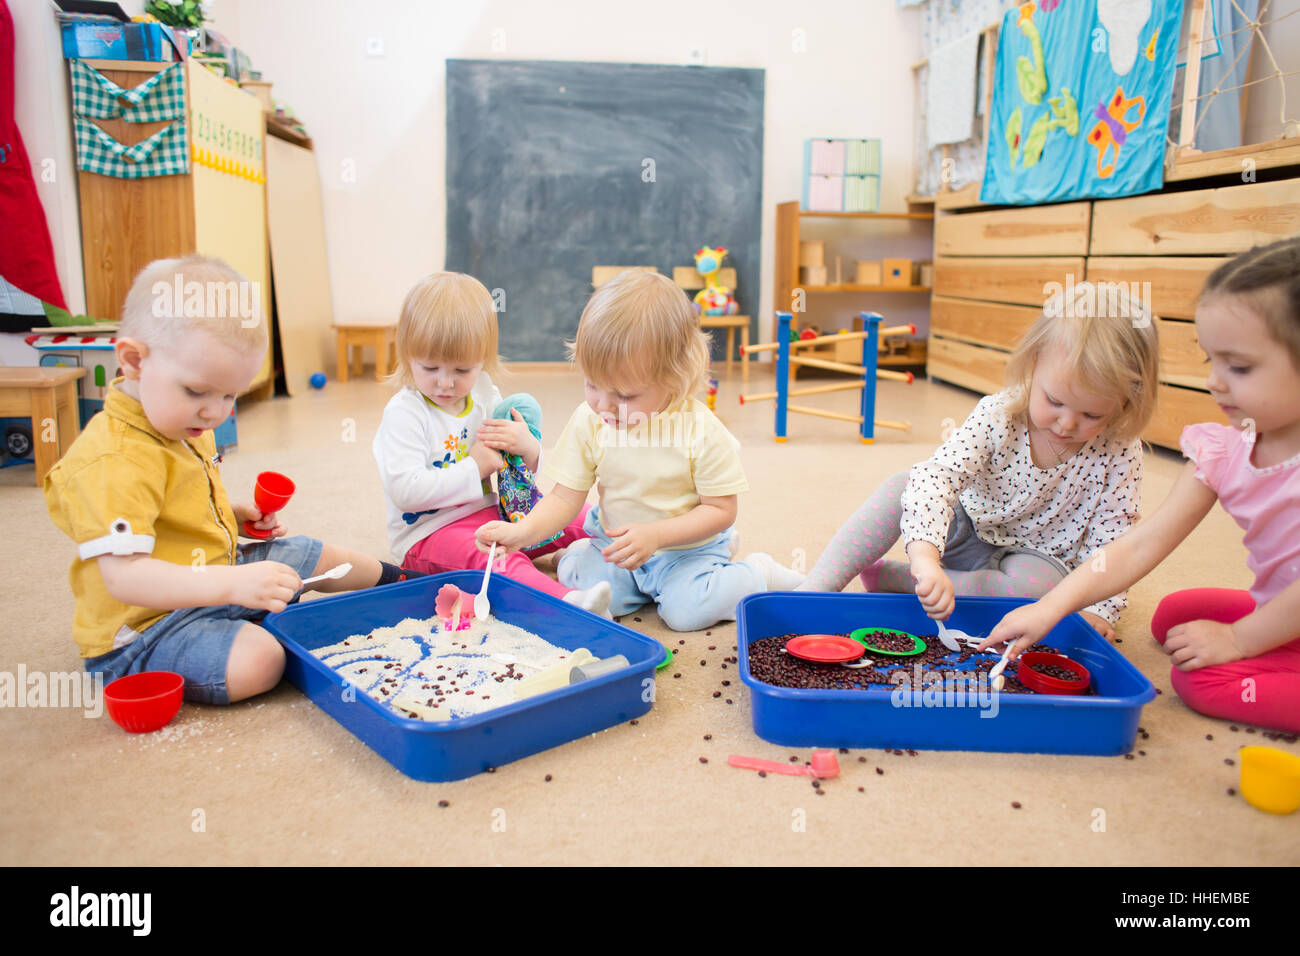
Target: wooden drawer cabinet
{"x":993,"y":266}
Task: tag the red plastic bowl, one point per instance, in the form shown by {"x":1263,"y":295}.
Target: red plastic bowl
{"x":1046,"y":684}
{"x":140,"y":703}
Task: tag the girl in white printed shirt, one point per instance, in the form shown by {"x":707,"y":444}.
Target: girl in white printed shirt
{"x":437,"y":449}
{"x":1038,"y":477}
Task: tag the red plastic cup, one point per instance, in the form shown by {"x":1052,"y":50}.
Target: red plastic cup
{"x":271,"y":493}
{"x":144,"y":702}
{"x":1045,"y":683}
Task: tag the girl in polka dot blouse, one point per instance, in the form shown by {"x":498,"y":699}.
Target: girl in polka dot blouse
{"x":1034,"y":482}
{"x":1235,"y":654}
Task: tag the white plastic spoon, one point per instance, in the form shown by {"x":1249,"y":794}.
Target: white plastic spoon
{"x":338,"y":572}
{"x":481,"y":605}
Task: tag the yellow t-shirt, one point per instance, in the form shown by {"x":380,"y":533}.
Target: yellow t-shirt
{"x":654,"y":470}
{"x":170,"y":495}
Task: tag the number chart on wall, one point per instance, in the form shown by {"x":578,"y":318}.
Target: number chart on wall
{"x":556,"y":167}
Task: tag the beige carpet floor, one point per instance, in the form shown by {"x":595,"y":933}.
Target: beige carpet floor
{"x":276,"y":781}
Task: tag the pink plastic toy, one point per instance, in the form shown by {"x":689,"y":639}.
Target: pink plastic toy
{"x":824,"y":765}
{"x":447,"y":606}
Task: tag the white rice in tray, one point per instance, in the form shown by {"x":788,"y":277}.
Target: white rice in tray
{"x":417,"y":669}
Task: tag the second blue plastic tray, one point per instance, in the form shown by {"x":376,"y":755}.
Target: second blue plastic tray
{"x":1105,"y":724}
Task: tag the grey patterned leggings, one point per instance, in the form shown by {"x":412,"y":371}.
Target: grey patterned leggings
{"x":859,"y":546}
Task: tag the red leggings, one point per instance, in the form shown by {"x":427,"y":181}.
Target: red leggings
{"x":1263,"y":690}
{"x":452,"y":548}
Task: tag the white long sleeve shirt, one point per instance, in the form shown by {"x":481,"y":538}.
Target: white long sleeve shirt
{"x":1068,"y":511}
{"x":424,"y":465}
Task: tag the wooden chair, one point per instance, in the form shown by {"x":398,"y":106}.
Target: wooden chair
{"x":688,"y":279}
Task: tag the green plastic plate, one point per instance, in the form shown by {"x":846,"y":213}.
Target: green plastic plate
{"x":860,"y":635}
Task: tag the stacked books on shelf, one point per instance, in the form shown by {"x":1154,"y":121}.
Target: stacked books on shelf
{"x":841,"y":175}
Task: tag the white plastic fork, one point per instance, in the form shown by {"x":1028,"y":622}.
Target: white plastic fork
{"x":996,"y":680}
{"x":482,"y":607}
{"x":949,"y":638}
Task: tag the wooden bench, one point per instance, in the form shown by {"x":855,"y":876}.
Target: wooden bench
{"x":357,"y":335}
{"x":48,"y":396}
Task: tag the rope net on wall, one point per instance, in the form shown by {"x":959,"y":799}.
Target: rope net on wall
{"x":1286,"y":127}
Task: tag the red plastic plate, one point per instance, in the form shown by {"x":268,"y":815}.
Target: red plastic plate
{"x":824,"y":648}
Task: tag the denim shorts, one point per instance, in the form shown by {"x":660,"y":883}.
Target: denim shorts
{"x":195,"y":641}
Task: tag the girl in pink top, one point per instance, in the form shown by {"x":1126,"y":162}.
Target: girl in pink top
{"x":1236,"y":654}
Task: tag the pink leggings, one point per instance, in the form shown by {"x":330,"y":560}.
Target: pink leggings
{"x":1263,"y":690}
{"x":452,"y":548}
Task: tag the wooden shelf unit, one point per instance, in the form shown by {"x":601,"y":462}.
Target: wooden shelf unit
{"x":788,"y":233}
{"x":128,"y":223}
{"x":991,"y":266}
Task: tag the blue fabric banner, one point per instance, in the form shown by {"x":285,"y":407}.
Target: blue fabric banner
{"x":1081,"y":97}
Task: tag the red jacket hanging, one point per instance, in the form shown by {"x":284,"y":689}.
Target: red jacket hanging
{"x":26,"y":253}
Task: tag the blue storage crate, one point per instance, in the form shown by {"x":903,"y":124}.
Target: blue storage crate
{"x":103,"y":40}
{"x":450,"y":750}
{"x":1105,"y":724}
{"x":226,"y":435}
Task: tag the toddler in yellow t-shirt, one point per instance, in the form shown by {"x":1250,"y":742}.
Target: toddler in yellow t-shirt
{"x":667,"y":472}
{"x":159,"y":580}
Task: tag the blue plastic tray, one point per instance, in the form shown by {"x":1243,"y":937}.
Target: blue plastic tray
{"x":1105,"y":724}
{"x":450,"y":750}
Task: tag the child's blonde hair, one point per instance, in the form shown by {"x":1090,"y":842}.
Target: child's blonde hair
{"x":639,"y":328}
{"x":1269,"y":277}
{"x":1108,"y":339}
{"x":448,"y":316}
{"x":172,"y":297}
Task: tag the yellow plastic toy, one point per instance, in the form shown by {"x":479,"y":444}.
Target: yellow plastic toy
{"x":715,"y":298}
{"x":1270,"y":779}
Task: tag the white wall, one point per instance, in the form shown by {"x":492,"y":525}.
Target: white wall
{"x":378,"y":122}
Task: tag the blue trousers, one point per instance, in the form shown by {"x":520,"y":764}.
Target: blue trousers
{"x":693,"y":587}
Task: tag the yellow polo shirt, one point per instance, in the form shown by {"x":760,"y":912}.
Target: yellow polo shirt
{"x":656,"y":469}
{"x":168,"y":493}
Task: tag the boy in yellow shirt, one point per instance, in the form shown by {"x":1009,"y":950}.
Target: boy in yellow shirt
{"x":160,"y":582}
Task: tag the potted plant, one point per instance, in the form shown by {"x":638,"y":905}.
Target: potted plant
{"x":186,"y":16}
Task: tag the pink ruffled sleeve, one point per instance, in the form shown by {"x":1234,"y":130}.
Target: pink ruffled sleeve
{"x":1207,"y":445}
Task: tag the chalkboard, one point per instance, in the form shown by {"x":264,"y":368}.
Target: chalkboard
{"x":555,"y":167}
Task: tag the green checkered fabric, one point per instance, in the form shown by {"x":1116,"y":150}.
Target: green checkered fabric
{"x":159,"y":98}
{"x":165,"y":153}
